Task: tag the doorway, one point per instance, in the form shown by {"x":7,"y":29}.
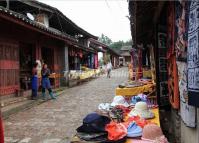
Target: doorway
{"x":47,"y":57}
{"x":26,"y":58}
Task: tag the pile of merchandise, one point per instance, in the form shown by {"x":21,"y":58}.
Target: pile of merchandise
{"x":125,"y":120}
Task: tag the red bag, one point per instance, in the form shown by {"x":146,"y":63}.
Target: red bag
{"x":116,"y":131}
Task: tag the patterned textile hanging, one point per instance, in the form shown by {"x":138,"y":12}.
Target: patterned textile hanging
{"x":193,"y":54}
{"x":186,"y":111}
{"x":172,"y":66}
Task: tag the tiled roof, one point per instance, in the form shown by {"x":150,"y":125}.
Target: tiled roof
{"x":126,"y":48}
{"x":35,"y":24}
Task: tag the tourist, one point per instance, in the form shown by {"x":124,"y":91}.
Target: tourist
{"x":109,"y":68}
{"x":46,"y":82}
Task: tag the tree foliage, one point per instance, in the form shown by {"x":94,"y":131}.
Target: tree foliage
{"x":105,"y":39}
{"x":114,"y":45}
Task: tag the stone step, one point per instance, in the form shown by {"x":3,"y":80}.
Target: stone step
{"x":13,"y":100}
{"x":25,"y":104}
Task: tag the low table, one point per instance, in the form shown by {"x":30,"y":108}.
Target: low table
{"x":133,"y":91}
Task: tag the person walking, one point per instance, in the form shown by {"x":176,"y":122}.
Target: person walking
{"x":109,"y":68}
{"x":45,"y":82}
{"x":34,"y":81}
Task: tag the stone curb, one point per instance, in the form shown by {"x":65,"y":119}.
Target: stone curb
{"x":29,"y":105}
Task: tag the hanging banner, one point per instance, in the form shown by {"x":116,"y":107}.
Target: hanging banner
{"x":173,"y":88}
{"x":193,"y":54}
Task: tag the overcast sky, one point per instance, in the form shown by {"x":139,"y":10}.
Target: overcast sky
{"x":97,"y":16}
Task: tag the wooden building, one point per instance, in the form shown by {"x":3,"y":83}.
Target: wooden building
{"x":125,"y":52}
{"x":32,"y":31}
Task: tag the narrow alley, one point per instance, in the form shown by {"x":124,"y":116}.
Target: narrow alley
{"x":56,"y":121}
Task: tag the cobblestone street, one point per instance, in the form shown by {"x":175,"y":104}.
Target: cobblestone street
{"x":56,"y":121}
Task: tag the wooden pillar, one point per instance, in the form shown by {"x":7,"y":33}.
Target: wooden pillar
{"x":65,"y":79}
{"x":38,"y":51}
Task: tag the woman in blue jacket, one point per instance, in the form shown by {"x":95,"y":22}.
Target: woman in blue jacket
{"x":46,"y":82}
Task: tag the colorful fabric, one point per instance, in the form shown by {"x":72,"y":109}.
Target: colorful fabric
{"x":171,"y":66}
{"x":116,"y":131}
{"x":139,"y":121}
{"x":96,"y":61}
{"x":173,"y":83}
{"x":181,"y":30}
{"x":193,"y":54}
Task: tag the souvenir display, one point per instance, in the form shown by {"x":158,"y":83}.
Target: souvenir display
{"x":122,"y":122}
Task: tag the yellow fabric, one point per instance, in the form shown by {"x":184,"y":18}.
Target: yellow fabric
{"x":87,"y":74}
{"x":134,"y":90}
{"x":157,"y":117}
{"x":55,"y":75}
{"x":97,"y":71}
{"x":147,"y":73}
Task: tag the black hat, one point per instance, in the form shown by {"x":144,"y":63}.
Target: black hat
{"x":94,"y":123}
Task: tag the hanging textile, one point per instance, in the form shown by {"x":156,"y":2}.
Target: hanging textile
{"x":96,"y":61}
{"x":172,"y":66}
{"x":92,"y":61}
{"x":139,"y":75}
{"x":89,"y":61}
{"x":181,"y":30}
{"x":193,"y":54}
{"x":186,"y":110}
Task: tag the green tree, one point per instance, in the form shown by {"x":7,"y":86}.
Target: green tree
{"x":129,"y":42}
{"x":117,"y":45}
{"x":105,"y":39}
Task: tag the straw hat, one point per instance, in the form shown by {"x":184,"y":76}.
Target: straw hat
{"x":119,"y":100}
{"x":141,"y":109}
{"x":152,"y":132}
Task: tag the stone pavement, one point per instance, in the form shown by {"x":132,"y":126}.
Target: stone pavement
{"x":56,"y":121}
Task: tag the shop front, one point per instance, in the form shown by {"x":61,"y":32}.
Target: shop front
{"x":20,"y":48}
{"x":171,"y":36}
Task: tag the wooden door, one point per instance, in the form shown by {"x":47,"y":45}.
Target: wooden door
{"x":9,"y":67}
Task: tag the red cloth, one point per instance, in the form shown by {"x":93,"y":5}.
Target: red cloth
{"x":139,"y":121}
{"x":1,"y":131}
{"x":116,"y":131}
